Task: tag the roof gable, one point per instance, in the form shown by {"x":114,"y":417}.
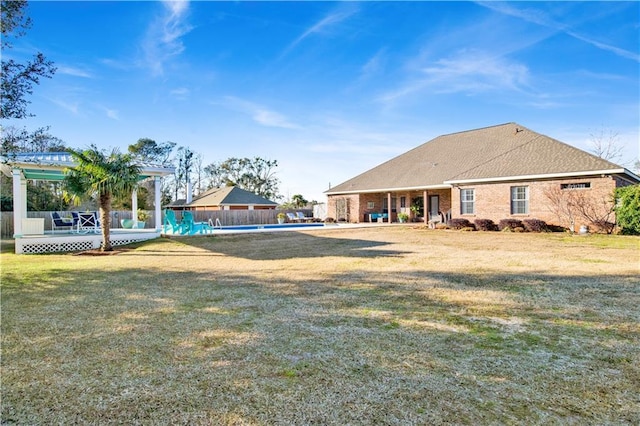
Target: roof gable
{"x":491,"y":152}
{"x":229,"y":195}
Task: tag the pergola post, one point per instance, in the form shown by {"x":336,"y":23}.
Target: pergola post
{"x":19,"y":201}
{"x":134,"y":207}
{"x":157,"y":181}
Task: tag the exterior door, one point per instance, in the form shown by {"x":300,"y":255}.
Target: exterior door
{"x":434,"y":205}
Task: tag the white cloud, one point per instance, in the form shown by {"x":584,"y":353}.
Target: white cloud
{"x":539,"y":17}
{"x":180,"y":93}
{"x":259,"y":113}
{"x":73,"y":71}
{"x":72,"y":107}
{"x":163,"y":39}
{"x":321,"y":26}
{"x":467,"y":71}
{"x":112,"y":114}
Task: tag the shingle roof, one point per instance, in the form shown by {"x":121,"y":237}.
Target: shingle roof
{"x":507,"y":150}
{"x":229,"y":196}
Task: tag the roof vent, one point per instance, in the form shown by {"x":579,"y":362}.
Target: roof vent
{"x":518,"y":130}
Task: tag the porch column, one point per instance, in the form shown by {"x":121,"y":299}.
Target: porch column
{"x":425,"y":206}
{"x":158,"y":208}
{"x":389,"y":207}
{"x":134,"y":207}
{"x":19,"y":201}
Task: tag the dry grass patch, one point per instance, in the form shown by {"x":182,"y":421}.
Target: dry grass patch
{"x":387,"y":325}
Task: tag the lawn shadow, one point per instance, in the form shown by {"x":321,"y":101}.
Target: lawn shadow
{"x":287,"y":245}
{"x":184,"y":341}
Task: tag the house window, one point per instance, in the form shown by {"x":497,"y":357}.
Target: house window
{"x":581,"y":185}
{"x":371,"y":205}
{"x":403,"y":202}
{"x":467,"y":201}
{"x":385,"y":206}
{"x":519,"y":199}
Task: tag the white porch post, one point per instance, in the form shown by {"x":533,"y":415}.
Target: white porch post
{"x":158,"y":207}
{"x":19,"y":202}
{"x":389,"y":207}
{"x":134,"y":207}
{"x":425,"y":207}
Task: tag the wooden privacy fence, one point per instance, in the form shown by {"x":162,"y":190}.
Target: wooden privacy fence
{"x":225,"y":217}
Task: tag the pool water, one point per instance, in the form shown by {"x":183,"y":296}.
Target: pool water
{"x":268,"y":226}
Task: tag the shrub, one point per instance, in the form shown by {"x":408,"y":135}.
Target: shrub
{"x":628,"y":209}
{"x":329,"y":220}
{"x":485,"y":225}
{"x":535,"y":225}
{"x":459,"y":223}
{"x":603,"y":227}
{"x":509,"y":224}
{"x":556,"y":228}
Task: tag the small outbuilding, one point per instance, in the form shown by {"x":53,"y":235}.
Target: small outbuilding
{"x":225,"y":198}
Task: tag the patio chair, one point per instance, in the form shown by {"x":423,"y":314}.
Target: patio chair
{"x":302,"y":218}
{"x":171,"y":223}
{"x":190,"y":226}
{"x":88,"y":222}
{"x":58,"y":223}
{"x":292,"y":217}
{"x":76,"y":218}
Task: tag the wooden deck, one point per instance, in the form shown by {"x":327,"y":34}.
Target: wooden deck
{"x":67,"y":241}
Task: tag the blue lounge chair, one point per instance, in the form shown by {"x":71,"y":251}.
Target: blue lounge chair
{"x":58,"y":223}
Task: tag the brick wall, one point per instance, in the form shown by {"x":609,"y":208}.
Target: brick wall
{"x":493,"y":201}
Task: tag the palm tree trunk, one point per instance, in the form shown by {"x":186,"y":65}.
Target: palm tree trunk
{"x":105,"y":219}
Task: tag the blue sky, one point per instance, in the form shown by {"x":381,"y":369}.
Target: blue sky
{"x":332,"y":89}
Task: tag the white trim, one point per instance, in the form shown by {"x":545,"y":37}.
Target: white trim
{"x":157,"y":182}
{"x":19,"y":202}
{"x":410,"y":188}
{"x":134,"y":207}
{"x":538,"y":177}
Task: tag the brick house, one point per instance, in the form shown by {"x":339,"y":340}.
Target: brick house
{"x":498,"y":172}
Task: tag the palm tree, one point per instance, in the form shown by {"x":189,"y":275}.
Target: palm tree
{"x":102,"y":175}
{"x":299,"y":201}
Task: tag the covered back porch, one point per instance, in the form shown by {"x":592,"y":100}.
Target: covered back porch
{"x":428,"y":206}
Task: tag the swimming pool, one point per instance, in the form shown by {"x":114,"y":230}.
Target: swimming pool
{"x":279,"y":226}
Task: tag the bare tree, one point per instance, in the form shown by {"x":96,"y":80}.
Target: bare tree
{"x":571,"y":205}
{"x":606,"y":144}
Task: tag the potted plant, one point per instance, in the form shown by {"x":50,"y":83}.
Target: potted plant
{"x":403,"y":217}
{"x":143,"y":216}
{"x":281,"y":217}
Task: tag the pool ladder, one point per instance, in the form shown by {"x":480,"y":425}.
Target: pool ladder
{"x":218,"y":224}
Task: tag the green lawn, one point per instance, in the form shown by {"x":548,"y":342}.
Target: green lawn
{"x":384,"y":325}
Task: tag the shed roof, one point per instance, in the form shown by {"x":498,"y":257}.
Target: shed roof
{"x":229,"y":196}
{"x":507,"y":151}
